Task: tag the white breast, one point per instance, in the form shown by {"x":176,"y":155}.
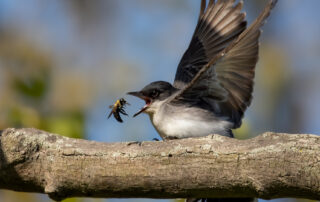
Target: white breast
{"x":187,"y":123}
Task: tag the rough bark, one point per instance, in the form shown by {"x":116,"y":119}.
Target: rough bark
{"x":269,"y":166}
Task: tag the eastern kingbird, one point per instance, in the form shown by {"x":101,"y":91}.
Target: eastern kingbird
{"x":214,"y":80}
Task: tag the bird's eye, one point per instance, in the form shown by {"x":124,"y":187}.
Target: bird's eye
{"x":154,"y":93}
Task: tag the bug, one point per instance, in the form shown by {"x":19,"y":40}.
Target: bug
{"x":117,"y":108}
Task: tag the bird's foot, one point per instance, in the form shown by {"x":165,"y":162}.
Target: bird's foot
{"x":134,"y":142}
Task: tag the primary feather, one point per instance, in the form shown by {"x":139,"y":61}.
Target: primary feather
{"x":218,"y":67}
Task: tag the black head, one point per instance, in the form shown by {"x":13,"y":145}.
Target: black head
{"x":155,"y":91}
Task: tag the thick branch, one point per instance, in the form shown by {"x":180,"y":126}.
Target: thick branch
{"x":268,"y":166}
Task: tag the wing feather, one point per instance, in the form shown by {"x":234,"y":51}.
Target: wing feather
{"x":226,"y":80}
{"x":218,"y":25}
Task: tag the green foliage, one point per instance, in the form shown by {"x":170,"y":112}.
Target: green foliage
{"x":29,"y":78}
{"x":34,"y":87}
{"x":27,"y":92}
{"x":68,"y":124}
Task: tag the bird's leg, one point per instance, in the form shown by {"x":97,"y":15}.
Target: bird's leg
{"x":140,"y":142}
{"x":134,"y":142}
{"x":123,"y":112}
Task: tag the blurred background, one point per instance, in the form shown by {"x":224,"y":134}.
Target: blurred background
{"x":62,"y":63}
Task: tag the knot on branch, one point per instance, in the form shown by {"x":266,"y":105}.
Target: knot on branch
{"x":17,"y":147}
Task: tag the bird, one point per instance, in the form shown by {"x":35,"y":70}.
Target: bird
{"x":214,"y":80}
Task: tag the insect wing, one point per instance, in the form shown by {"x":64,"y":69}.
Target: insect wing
{"x":110,"y":113}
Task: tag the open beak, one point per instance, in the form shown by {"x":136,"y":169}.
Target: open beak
{"x":145,"y":98}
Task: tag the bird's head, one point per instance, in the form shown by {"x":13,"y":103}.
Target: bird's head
{"x":153,"y":94}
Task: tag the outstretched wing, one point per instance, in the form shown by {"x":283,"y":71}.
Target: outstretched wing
{"x":225,"y":83}
{"x":219,"y":24}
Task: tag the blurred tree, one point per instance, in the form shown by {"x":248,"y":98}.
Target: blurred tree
{"x":28,"y":83}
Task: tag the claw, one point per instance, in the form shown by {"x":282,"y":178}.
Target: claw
{"x":135,"y":142}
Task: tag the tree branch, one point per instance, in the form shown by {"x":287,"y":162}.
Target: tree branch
{"x":269,"y":166}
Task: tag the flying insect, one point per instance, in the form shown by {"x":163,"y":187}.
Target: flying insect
{"x":118,"y":108}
